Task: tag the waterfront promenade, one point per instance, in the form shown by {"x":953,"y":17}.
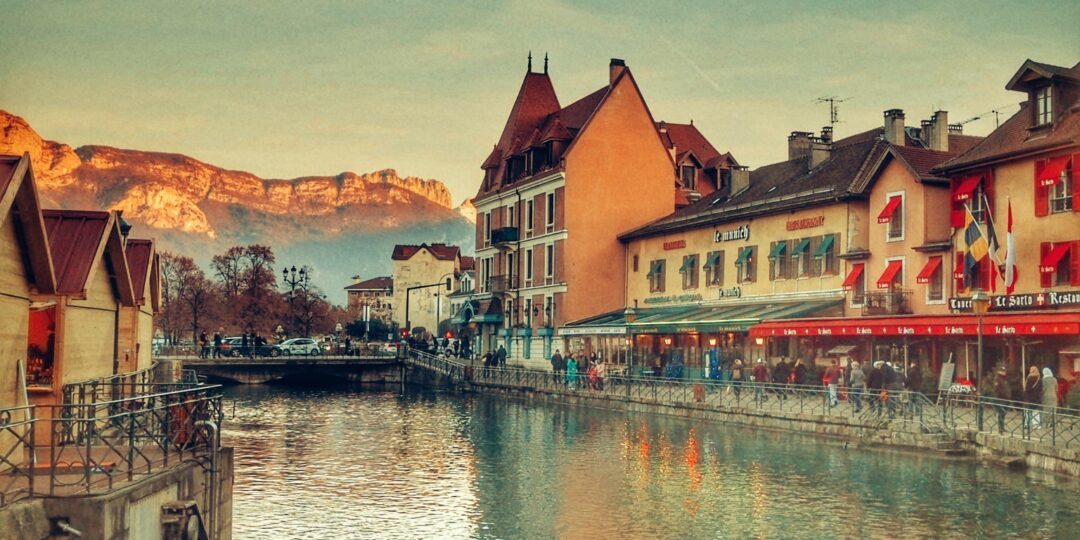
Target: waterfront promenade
{"x":1009,"y":431}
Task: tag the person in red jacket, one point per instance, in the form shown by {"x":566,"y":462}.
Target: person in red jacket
{"x":832,"y":380}
{"x":761,"y":376}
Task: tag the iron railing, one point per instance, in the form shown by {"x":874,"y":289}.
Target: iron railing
{"x":92,"y":448}
{"x":891,"y":302}
{"x":899,"y":410}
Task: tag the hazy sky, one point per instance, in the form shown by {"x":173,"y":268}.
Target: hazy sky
{"x":286,"y":89}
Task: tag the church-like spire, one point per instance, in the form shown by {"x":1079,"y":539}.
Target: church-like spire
{"x":530,"y":61}
{"x":545,"y":63}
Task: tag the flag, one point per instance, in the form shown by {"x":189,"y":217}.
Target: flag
{"x":977,"y":248}
{"x":1010,"y":256}
{"x":992,"y":245}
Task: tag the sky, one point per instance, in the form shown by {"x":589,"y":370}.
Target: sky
{"x":288,"y":89}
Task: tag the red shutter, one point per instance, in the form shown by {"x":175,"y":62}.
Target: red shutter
{"x":1075,"y":179}
{"x":1042,"y":194}
{"x":1045,"y":280}
{"x":1074,"y":262}
{"x":956,"y":216}
{"x":958,"y":272}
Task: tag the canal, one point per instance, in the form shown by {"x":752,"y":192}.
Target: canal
{"x":349,"y":463}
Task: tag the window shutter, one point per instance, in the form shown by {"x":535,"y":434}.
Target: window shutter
{"x":1045,"y":280}
{"x":1074,"y":262}
{"x":956,"y":217}
{"x":958,"y":272}
{"x":1075,"y":181}
{"x":1042,"y":194}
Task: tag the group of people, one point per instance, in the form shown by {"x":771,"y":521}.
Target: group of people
{"x":586,"y":372}
{"x":205,"y":348}
{"x":213,"y":346}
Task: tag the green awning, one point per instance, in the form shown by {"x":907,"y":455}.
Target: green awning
{"x":743,"y":255}
{"x":777,"y":250}
{"x":688,"y":263}
{"x":801,"y":247}
{"x":826,"y":245}
{"x":656,"y":268}
{"x":713,"y":260}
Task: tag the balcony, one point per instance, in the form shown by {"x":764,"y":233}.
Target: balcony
{"x":503,"y":237}
{"x":891,"y":302}
{"x":502,"y":284}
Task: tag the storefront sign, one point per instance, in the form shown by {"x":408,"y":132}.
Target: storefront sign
{"x":593,"y":331}
{"x":734,"y":292}
{"x":966,"y":328}
{"x":1047,"y":300}
{"x":674,"y":244}
{"x":805,"y":223}
{"x":741,"y":233}
{"x":689,"y":297}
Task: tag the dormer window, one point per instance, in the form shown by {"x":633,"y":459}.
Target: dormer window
{"x":1043,"y":106}
{"x":688,"y":175}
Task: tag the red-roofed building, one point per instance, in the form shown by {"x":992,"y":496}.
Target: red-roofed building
{"x":137,"y":322}
{"x":375,"y":296}
{"x":418,"y":265}
{"x":559,"y":185}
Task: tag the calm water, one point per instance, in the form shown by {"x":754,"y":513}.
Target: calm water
{"x":342,"y":463}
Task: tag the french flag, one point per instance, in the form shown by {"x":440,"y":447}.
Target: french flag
{"x":1010,"y":256}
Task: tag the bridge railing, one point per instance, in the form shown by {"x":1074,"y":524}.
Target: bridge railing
{"x":93,"y":448}
{"x":1056,"y":427}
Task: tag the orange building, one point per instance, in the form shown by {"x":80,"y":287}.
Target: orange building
{"x":558,"y":187}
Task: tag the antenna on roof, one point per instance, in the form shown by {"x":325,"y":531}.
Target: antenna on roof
{"x":545,"y":63}
{"x":530,"y":61}
{"x":834,"y":108}
{"x":997,"y":111}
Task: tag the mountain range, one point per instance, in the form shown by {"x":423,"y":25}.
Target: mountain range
{"x":340,"y":225}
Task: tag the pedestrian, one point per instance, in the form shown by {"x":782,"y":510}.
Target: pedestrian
{"x":894,"y":384}
{"x":760,"y":376}
{"x":1049,"y":394}
{"x":1033,"y":397}
{"x":737,"y":377}
{"x":782,"y":377}
{"x":832,"y":380}
{"x":571,"y":372}
{"x":913,"y":380}
{"x":799,"y":374}
{"x":1003,"y":393}
{"x":501,"y":356}
{"x":204,"y":346}
{"x":217,"y":344}
{"x":558,"y":367}
{"x":875,"y":385}
{"x":858,"y":385}
{"x":488,"y":359}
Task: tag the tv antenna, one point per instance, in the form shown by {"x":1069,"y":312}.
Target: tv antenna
{"x":834,"y":108}
{"x":997,"y":112}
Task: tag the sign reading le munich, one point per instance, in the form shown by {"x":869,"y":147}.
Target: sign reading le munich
{"x":1045,"y":300}
{"x":738,"y":233}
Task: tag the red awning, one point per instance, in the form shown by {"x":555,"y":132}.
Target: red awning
{"x":856,"y":271}
{"x":966,"y":188}
{"x":928,"y":271}
{"x":961,"y":326}
{"x":1051,"y":173}
{"x":889,"y":275}
{"x":1051,"y":260}
{"x":890,"y":209}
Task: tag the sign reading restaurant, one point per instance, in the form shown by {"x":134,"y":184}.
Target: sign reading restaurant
{"x":805,"y":223}
{"x":738,"y":233}
{"x":1043,"y":300}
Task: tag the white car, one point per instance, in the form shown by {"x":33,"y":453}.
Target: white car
{"x":300,"y":347}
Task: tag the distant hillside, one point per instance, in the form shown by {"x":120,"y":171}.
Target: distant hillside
{"x":342,"y":225}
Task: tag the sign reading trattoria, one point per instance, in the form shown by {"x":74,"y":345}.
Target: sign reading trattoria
{"x":1043,"y":300}
{"x":805,"y":223}
{"x":738,"y":233}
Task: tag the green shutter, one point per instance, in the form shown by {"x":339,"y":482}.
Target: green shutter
{"x":777,"y":250}
{"x":801,"y":247}
{"x":655,"y":269}
{"x":713,"y":260}
{"x":826,"y":244}
{"x":688,"y":263}
{"x":743,"y":255}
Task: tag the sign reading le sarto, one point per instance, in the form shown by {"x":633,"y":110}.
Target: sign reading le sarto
{"x":1018,"y":302}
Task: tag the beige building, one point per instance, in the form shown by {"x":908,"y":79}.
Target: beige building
{"x":415,"y":267}
{"x":374,"y":295}
{"x":136,"y":325}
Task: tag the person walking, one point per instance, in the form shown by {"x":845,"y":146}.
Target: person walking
{"x":217,"y":344}
{"x":571,"y":372}
{"x":1033,"y":397}
{"x":737,"y":378}
{"x":858,"y":385}
{"x":913,"y":380}
{"x":799,"y":374}
{"x":488,"y":360}
{"x":781,"y":377}
{"x":875,"y":384}
{"x":501,"y":356}
{"x":760,"y":375}
{"x":558,"y":367}
{"x":204,"y":345}
{"x":1049,"y":394}
{"x":1004,"y":393}
{"x":894,"y":384}
{"x":832,"y":381}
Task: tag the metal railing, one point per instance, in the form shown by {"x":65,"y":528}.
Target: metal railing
{"x":892,"y":302}
{"x":897,"y":410}
{"x":109,"y":388}
{"x":91,"y":448}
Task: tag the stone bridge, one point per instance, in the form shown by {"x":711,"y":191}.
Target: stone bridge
{"x":362,"y":369}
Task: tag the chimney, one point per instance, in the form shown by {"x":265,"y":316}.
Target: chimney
{"x":826,"y":134}
{"x":819,"y":151}
{"x":939,"y":132}
{"x":740,"y":179}
{"x":956,"y":129}
{"x":925,"y":127}
{"x":663,"y":126}
{"x":894,"y":126}
{"x":618,"y":65}
{"x":356,"y":279}
{"x":798,"y":144}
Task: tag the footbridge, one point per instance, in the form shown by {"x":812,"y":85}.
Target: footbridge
{"x":369,"y":368}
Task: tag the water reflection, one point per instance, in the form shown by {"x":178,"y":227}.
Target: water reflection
{"x":350,"y":464}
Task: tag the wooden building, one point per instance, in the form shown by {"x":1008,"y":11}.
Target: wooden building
{"x":136,"y":326}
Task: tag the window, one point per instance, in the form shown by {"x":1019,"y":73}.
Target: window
{"x":688,"y":176}
{"x":779,"y":260}
{"x":689,"y":272}
{"x":487,"y":228}
{"x":747,"y":264}
{"x":826,"y":252}
{"x":978,"y":203}
{"x":893,"y":214}
{"x":714,"y":269}
{"x":656,"y":275}
{"x":1061,"y":193}
{"x":550,"y":210}
{"x":528,"y":267}
{"x":529,"y":216}
{"x":808,"y":265}
{"x":510,"y":216}
{"x":635,"y":264}
{"x":935,"y":287}
{"x":511,"y":271}
{"x":549,"y":262}
{"x":485,"y":274}
{"x":1043,"y":106}
{"x":858,"y":290}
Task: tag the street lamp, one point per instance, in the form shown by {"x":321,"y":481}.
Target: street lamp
{"x":980,"y":304}
{"x":630,"y":315}
{"x":294,"y":279}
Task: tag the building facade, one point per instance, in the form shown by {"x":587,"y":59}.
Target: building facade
{"x":136,"y":324}
{"x":420,"y":296}
{"x":374,"y":296}
{"x":558,"y":187}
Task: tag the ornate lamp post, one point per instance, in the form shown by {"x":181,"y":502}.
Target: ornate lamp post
{"x":294,"y":279}
{"x":980,"y":304}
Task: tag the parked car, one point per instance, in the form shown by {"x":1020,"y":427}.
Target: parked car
{"x":388,"y":348}
{"x":300,"y":347}
{"x":234,"y":346}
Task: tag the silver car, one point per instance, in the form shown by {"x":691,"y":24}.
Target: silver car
{"x":300,"y":347}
